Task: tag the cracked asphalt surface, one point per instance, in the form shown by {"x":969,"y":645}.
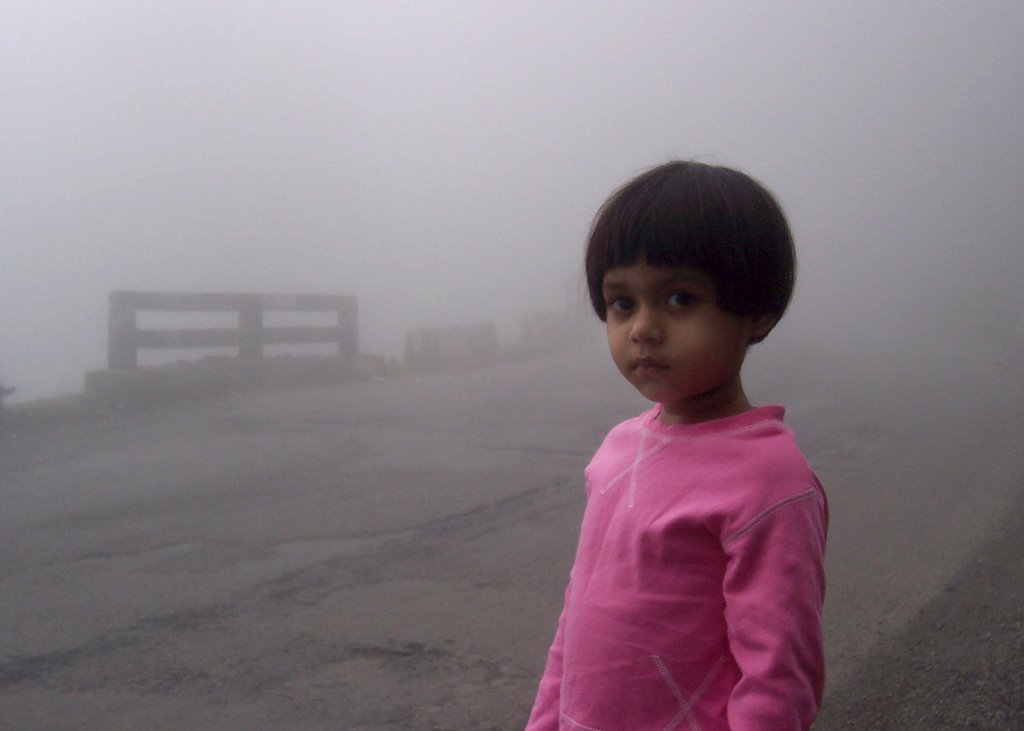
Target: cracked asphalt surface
{"x":392,"y":553}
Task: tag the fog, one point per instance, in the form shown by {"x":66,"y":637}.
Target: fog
{"x":442,"y":161}
{"x":393,"y":551}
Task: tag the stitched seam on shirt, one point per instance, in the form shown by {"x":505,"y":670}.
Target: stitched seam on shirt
{"x":577,"y":724}
{"x":641,"y":454}
{"x":672,"y":686}
{"x":810,"y":492}
{"x":716,"y":435}
{"x":701,"y":688}
{"x":685,"y":706}
{"x":608,"y":485}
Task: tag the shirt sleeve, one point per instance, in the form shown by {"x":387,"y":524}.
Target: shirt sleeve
{"x":544,"y":716}
{"x":774,"y":590}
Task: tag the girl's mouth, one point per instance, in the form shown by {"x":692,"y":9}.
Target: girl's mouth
{"x":648,"y":366}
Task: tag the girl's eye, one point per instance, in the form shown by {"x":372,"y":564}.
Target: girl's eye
{"x":620,"y":304}
{"x":681,"y":299}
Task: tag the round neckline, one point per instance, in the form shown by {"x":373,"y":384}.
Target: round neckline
{"x":737,"y":422}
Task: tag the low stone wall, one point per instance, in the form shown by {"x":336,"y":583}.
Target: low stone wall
{"x":544,"y":332}
{"x":211,"y":377}
{"x":475,"y":344}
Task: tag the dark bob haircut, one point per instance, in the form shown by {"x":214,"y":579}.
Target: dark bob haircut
{"x":716,"y":220}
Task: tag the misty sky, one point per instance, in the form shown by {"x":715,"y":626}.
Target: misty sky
{"x":442,"y":160}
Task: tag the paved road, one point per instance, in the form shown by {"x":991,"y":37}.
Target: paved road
{"x":959,"y":663}
{"x":392,"y":554}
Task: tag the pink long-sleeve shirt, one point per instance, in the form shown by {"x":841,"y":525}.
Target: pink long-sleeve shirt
{"x":695,"y":599}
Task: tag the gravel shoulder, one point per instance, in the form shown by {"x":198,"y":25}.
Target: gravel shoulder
{"x":959,"y":664}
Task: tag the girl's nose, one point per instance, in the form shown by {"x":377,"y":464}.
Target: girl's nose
{"x":646,"y":327}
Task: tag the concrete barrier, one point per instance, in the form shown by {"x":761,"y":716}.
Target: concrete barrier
{"x":543,"y":332}
{"x":125,"y":338}
{"x":125,"y":384}
{"x":475,"y":344}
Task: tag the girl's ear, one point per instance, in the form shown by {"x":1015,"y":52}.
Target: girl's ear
{"x":760,"y":327}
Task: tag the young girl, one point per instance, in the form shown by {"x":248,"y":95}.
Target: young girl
{"x":695,"y":598}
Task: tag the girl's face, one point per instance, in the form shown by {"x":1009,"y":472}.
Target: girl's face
{"x":669,"y":338}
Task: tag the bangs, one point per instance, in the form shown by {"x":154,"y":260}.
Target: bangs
{"x":652,"y":221}
{"x":715,"y":220}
